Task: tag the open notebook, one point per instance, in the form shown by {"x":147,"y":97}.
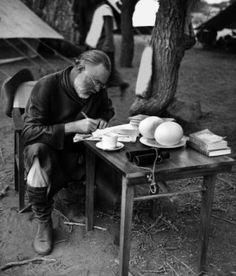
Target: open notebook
{"x":125,"y":132}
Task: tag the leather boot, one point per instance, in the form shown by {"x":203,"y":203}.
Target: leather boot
{"x":43,"y":241}
{"x":42,"y":208}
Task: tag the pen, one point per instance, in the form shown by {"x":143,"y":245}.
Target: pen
{"x":85,"y":116}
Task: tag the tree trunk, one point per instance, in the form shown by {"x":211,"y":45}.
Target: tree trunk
{"x":127,"y":42}
{"x":168,"y":50}
{"x":57,"y":13}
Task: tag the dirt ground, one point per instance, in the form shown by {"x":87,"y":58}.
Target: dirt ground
{"x":163,"y":244}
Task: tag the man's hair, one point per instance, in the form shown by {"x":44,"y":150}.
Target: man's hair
{"x":95,"y":57}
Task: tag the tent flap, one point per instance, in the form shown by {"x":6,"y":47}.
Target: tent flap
{"x":17,"y":20}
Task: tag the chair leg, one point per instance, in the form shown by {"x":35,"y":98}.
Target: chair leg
{"x":19,"y":169}
{"x":15,"y":162}
{"x":21,"y":190}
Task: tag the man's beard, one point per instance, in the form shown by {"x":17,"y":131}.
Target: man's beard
{"x":83,"y":91}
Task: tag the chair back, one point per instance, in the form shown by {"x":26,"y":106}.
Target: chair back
{"x":22,"y":94}
{"x":16,"y":90}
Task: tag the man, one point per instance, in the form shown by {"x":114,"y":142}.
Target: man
{"x":100,"y":36}
{"x":54,"y":113}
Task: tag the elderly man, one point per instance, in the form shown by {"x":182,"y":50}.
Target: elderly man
{"x":54,"y":113}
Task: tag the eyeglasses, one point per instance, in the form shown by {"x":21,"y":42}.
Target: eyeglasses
{"x":96,"y":83}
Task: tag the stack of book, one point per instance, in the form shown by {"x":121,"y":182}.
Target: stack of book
{"x":208,"y":143}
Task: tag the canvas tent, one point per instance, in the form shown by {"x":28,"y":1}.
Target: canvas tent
{"x":21,"y":31}
{"x":224,"y":19}
{"x":207,"y":32}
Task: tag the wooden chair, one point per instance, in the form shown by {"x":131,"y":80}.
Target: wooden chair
{"x":16,"y":91}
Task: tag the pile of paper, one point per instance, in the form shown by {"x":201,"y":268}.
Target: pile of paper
{"x":125,"y":133}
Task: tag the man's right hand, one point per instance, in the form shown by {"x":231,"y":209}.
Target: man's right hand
{"x":86,"y":125}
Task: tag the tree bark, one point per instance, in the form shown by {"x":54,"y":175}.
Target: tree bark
{"x":168,"y":50}
{"x":58,"y":14}
{"x":127,"y":42}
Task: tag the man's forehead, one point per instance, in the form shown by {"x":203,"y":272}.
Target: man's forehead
{"x":98,"y":71}
{"x":97,"y":68}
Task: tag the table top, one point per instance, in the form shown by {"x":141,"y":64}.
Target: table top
{"x":183,"y":162}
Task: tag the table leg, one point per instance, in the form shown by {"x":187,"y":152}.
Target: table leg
{"x":21,"y":180}
{"x":125,"y":225}
{"x":90,"y":179}
{"x":207,"y":200}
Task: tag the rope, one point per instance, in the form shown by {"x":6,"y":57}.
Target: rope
{"x":20,"y":52}
{"x":4,"y":73}
{"x":56,"y":52}
{"x":32,"y":49}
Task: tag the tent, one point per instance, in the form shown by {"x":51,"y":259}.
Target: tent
{"x":22,"y":32}
{"x":225,"y":19}
{"x":208,"y":32}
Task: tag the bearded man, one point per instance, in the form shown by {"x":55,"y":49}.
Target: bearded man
{"x":54,"y":113}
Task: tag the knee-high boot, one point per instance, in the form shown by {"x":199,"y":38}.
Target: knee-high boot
{"x":42,"y":209}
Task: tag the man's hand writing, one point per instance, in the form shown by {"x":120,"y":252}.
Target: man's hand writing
{"x":87,"y":125}
{"x":102,"y":124}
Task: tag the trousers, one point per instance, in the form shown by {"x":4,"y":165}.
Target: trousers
{"x":47,"y":167}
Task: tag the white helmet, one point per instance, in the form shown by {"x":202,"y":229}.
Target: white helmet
{"x":115,"y":4}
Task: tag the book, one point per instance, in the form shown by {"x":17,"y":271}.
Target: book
{"x":210,"y":146}
{"x":208,"y":140}
{"x":210,"y":153}
{"x":206,"y":136}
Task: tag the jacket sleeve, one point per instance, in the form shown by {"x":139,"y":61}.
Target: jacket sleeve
{"x":37,"y":122}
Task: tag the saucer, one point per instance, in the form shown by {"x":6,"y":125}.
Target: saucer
{"x":153,"y":143}
{"x":118,"y":147}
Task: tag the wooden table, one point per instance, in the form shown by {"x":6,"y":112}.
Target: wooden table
{"x":183,"y":163}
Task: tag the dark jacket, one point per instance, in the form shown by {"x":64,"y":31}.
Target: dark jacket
{"x":53,"y":103}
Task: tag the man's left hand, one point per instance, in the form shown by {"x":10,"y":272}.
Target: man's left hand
{"x":102,"y":124}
